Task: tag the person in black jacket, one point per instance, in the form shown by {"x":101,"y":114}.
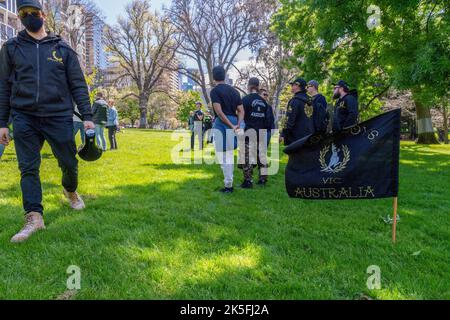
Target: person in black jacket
{"x":299,"y":123}
{"x":258,"y":115}
{"x":39,"y":76}
{"x":346,"y":111}
{"x":319,"y":103}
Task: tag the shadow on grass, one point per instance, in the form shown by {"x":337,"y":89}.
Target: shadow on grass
{"x":171,"y":240}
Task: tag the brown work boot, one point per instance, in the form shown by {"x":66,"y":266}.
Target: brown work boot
{"x":76,"y":203}
{"x":34,"y":222}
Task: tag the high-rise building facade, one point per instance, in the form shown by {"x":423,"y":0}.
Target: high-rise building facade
{"x":9,"y":22}
{"x":96,"y":54}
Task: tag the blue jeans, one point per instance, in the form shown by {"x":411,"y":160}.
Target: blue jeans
{"x":100,"y":135}
{"x":30,"y":132}
{"x":79,"y":126}
{"x":2,"y":149}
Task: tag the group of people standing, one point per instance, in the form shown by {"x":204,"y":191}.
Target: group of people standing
{"x":252,"y":116}
{"x":308,"y":112}
{"x":105,"y":115}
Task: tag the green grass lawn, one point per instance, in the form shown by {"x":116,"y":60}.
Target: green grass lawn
{"x":156,"y":230}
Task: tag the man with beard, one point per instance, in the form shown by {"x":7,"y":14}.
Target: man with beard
{"x":299,"y":123}
{"x":346,"y":109}
{"x":319,"y":103}
{"x":40,"y":77}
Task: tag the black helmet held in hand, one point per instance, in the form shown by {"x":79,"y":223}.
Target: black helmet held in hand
{"x":90,"y":151}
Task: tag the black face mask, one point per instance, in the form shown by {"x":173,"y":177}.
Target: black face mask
{"x":32,"y":23}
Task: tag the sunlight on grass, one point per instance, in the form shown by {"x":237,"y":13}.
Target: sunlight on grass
{"x":156,"y":230}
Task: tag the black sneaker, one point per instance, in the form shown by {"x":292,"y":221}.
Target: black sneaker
{"x":227,"y":190}
{"x":247,"y":185}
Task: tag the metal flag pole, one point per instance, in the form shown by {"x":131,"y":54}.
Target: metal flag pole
{"x":394,"y":227}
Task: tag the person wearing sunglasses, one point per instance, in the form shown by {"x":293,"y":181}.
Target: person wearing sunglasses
{"x":319,"y":103}
{"x":346,"y":111}
{"x":299,"y":113}
{"x":40,"y":80}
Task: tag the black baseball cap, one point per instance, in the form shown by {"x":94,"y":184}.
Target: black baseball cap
{"x":342,"y":84}
{"x":28,"y":3}
{"x":300,"y":82}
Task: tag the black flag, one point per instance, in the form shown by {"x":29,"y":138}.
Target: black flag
{"x":361,"y":162}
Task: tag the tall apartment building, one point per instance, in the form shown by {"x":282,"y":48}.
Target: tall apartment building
{"x":96,"y":54}
{"x":9,"y":22}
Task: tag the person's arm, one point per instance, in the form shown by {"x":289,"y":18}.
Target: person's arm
{"x":218,"y":110}
{"x":241,"y":115}
{"x":319,"y":113}
{"x":292,"y":115}
{"x":352,"y":112}
{"x":78,"y":87}
{"x":116,"y":117}
{"x":5,"y":87}
{"x":5,"y":95}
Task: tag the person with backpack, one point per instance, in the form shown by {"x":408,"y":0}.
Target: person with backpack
{"x":299,"y":122}
{"x":319,"y":103}
{"x":346,"y":111}
{"x":40,"y":77}
{"x":100,"y":118}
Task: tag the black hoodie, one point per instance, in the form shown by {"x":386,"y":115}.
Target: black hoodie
{"x":41,"y":78}
{"x":346,"y":112}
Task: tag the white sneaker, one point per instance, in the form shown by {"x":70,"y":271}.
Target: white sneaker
{"x":76,"y":203}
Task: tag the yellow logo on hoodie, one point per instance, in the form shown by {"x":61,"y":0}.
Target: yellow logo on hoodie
{"x":55,"y":58}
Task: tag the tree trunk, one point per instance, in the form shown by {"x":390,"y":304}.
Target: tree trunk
{"x":143,"y":103}
{"x":276,"y":105}
{"x":424,"y":124}
{"x":446,"y":120}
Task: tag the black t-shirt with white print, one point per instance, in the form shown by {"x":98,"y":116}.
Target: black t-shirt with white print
{"x":257,"y":112}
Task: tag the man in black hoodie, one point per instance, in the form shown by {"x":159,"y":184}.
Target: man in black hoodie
{"x":39,"y":76}
{"x":299,"y":122}
{"x":346,"y":111}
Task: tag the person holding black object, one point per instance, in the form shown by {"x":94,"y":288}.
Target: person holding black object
{"x":198,"y":118}
{"x":207,"y":127}
{"x":346,"y":111}
{"x":257,"y":119}
{"x":39,"y":76}
{"x":227,"y":104}
{"x":299,"y":123}
{"x":319,"y":103}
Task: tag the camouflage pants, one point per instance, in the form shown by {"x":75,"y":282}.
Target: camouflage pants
{"x":254,"y":157}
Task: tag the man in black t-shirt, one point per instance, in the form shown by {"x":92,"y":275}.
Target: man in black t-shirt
{"x":227,"y":104}
{"x":207,"y":127}
{"x":257,"y":117}
{"x":198,"y":127}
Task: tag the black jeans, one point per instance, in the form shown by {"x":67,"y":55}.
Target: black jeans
{"x":29,"y":135}
{"x":112,"y":137}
